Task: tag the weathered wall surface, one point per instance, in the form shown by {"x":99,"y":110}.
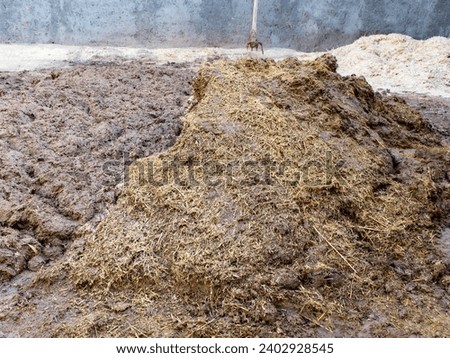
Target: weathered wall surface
{"x":298,"y":24}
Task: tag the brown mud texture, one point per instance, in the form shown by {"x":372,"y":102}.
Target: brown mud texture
{"x":65,"y":137}
{"x":295,"y":202}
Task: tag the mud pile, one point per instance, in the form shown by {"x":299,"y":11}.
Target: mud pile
{"x":296,"y":202}
{"x":65,"y":137}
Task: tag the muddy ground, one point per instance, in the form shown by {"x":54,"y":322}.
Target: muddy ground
{"x":435,"y":109}
{"x":66,"y":137}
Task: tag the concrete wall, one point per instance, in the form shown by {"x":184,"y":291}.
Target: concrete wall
{"x":297,"y":24}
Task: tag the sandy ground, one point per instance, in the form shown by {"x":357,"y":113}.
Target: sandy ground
{"x":70,"y":115}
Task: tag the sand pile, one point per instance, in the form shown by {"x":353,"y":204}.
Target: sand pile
{"x":295,"y":202}
{"x":399,"y":63}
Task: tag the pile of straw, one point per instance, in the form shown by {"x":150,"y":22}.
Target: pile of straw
{"x":295,"y":202}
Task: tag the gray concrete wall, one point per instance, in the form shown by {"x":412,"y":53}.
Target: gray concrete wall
{"x":298,"y":24}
